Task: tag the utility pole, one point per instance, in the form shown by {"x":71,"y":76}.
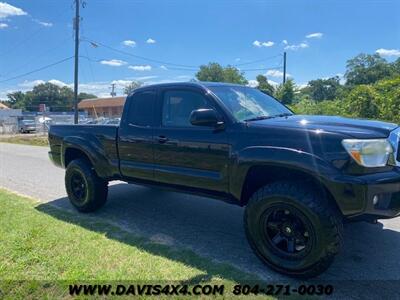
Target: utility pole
{"x":284,"y":67}
{"x":76,"y":27}
{"x":113,"y":93}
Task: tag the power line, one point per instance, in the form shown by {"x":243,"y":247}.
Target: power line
{"x":29,"y":36}
{"x":137,"y":56}
{"x":35,"y":57}
{"x":258,"y":60}
{"x":37,"y":70}
{"x":261,"y":69}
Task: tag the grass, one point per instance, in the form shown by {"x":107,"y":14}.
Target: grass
{"x":35,"y":140}
{"x":44,"y":248}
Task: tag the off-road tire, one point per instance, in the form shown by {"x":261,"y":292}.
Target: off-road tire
{"x":311,"y":201}
{"x":96,"y":189}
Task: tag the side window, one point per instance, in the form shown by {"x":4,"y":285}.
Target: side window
{"x":141,"y":110}
{"x":178,"y":105}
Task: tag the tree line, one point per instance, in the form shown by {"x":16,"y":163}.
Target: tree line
{"x":371,"y":89}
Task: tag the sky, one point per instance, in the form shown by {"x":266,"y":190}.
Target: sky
{"x":164,"y":41}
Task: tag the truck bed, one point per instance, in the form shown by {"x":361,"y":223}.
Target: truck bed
{"x":101,"y":138}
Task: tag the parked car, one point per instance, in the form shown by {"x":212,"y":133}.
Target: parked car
{"x":299,"y":177}
{"x":27,"y":126}
{"x":114,"y":121}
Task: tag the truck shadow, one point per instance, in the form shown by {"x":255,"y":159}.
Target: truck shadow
{"x":214,"y":229}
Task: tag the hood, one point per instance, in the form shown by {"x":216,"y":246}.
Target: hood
{"x":355,"y":128}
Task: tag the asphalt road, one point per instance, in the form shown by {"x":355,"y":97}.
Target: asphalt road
{"x":211,"y":228}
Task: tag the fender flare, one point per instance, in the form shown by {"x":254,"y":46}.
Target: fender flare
{"x":93,"y":149}
{"x":278,"y":157}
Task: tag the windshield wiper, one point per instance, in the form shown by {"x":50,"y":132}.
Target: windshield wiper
{"x":268,"y":117}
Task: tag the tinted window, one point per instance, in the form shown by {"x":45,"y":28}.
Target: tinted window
{"x":141,"y":111}
{"x":178,"y":105}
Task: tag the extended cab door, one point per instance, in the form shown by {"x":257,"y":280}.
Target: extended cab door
{"x":135,"y":144}
{"x":193,"y":156}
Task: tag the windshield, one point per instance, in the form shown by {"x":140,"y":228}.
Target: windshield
{"x":28,"y":122}
{"x":247,"y":103}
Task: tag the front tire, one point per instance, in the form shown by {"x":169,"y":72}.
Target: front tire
{"x":293,"y":228}
{"x":86,"y":191}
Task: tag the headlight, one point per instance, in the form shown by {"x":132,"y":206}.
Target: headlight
{"x":369,"y":153}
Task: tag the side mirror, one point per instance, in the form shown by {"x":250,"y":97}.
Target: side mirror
{"x":204,"y":117}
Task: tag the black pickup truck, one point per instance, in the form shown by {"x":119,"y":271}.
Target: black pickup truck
{"x":298,"y":177}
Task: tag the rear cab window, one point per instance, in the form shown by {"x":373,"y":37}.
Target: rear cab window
{"x":142,"y":109}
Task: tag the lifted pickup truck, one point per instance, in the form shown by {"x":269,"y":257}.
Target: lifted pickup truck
{"x":298,"y":177}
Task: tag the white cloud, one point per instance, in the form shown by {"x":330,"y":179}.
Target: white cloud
{"x":274,"y":83}
{"x":285,"y":42}
{"x":3,"y":25}
{"x":58,"y":82}
{"x":315,"y":35}
{"x":237,"y":59}
{"x":140,"y":68}
{"x":129,"y":43}
{"x":113,"y":62}
{"x":301,"y":85}
{"x":252,"y":83}
{"x":388,"y":52}
{"x":7,"y":10}
{"x":297,"y":46}
{"x":263,"y":44}
{"x":121,"y":82}
{"x":150,"y":41}
{"x":45,"y":24}
{"x":276,"y":73}
{"x":163,"y":67}
{"x":31,"y":84}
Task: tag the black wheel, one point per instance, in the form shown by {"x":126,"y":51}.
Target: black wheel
{"x":293,"y":228}
{"x":86,"y":191}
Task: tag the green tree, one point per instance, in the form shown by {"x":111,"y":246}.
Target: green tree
{"x":132,"y":86}
{"x":55,"y":97}
{"x":367,"y":69}
{"x":362,"y":102}
{"x":216,"y":73}
{"x":233,"y":75}
{"x":324,"y":89}
{"x":211,"y":72}
{"x":285,"y":92}
{"x":389,"y":99}
{"x":82,"y":96}
{"x":264,"y":86}
{"x":17,"y":100}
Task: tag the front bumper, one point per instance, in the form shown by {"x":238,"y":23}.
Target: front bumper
{"x":374,"y":196}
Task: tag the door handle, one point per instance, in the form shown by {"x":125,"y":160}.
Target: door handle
{"x":162,"y":139}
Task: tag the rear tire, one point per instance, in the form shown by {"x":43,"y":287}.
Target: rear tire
{"x":86,"y":191}
{"x":293,"y":228}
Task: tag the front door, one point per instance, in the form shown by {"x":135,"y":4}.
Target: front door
{"x":193,"y":156}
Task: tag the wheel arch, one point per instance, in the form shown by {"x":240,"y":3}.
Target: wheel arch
{"x":259,"y":166}
{"x":76,"y":147}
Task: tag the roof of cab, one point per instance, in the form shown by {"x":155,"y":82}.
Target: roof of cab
{"x":202,"y":84}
